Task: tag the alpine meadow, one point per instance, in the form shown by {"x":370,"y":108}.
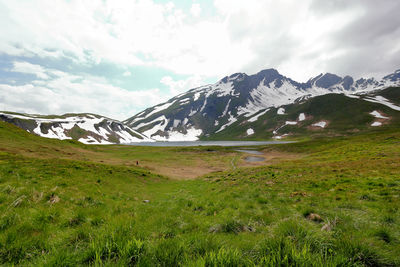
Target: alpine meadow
{"x":199,"y":133}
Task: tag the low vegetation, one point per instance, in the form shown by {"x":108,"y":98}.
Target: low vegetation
{"x":66,"y":204}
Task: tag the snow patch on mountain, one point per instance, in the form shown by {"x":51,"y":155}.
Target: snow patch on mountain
{"x":281,"y":111}
{"x":143,"y":124}
{"x":53,"y":132}
{"x":191,"y":135}
{"x":378,"y":115}
{"x":231,"y":120}
{"x":184,"y":101}
{"x":255,"y":117}
{"x":90,"y":140}
{"x":176,"y":123}
{"x":160,"y":126}
{"x":159,"y":108}
{"x":381,"y":100}
{"x":321,"y":124}
{"x":204,"y":105}
{"x":352,"y":96}
{"x":196,"y":96}
{"x":266,"y":96}
{"x":376,"y":123}
{"x":226,"y":109}
{"x":250,"y":131}
{"x":280,"y":136}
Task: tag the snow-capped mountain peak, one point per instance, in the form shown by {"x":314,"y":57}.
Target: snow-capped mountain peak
{"x":212,"y":108}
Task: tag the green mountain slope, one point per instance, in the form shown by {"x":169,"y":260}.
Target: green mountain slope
{"x":342,"y":114}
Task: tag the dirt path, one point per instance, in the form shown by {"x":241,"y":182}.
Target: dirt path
{"x":201,"y":167}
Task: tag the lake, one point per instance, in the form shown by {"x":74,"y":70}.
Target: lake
{"x":253,"y":159}
{"x":209,"y":143}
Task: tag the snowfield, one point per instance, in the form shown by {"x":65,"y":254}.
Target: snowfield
{"x":191,"y":135}
{"x":376,"y":123}
{"x":302,"y":117}
{"x":321,"y":124}
{"x":250,"y":131}
{"x":281,"y":111}
{"x":383,"y":101}
{"x":255,"y":117}
{"x":378,"y":115}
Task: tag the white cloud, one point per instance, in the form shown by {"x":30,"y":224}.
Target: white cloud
{"x":299,"y":38}
{"x":25,"y":67}
{"x":119,"y":31}
{"x":58,"y":92}
{"x":180,"y":86}
{"x":195,"y":10}
{"x":126,"y":73}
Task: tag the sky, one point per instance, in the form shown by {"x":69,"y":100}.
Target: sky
{"x":118,"y":57}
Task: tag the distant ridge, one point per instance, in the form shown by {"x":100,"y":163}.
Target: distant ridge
{"x":86,"y":128}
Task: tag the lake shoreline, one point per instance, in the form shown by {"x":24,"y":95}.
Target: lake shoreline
{"x":207,"y":143}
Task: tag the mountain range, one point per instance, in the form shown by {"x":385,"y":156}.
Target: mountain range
{"x":240,"y":106}
{"x":240,"y":101}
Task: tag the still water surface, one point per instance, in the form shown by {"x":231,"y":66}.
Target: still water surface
{"x":210,"y":143}
{"x":253,"y":159}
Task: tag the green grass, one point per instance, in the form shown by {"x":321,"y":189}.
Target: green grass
{"x":66,"y":210}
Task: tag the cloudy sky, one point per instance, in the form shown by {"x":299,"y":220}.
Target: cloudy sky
{"x":117,"y":57}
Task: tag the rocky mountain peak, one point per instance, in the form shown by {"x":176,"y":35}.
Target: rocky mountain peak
{"x":269,"y":74}
{"x":395,"y":76}
{"x":347,"y":82}
{"x":327,"y":80}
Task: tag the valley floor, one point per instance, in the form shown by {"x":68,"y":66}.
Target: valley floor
{"x":325,"y":202}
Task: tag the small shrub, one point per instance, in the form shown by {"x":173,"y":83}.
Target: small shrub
{"x":76,"y":220}
{"x":229,"y":227}
{"x":384,"y":235}
{"x":232,"y":226}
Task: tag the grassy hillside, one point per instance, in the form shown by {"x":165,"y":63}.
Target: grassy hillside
{"x":65,"y":204}
{"x":343,"y":115}
{"x":159,"y":160}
